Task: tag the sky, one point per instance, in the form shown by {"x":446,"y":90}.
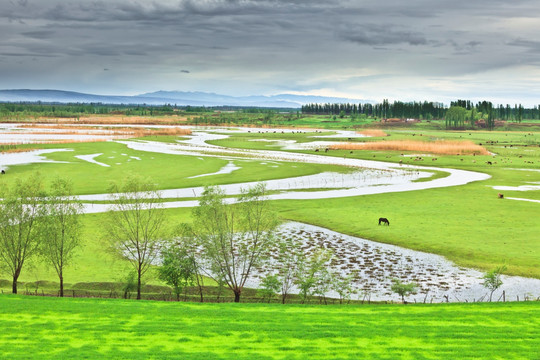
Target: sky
{"x":414,"y":50}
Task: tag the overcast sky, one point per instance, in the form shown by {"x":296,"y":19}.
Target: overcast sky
{"x":366,"y":49}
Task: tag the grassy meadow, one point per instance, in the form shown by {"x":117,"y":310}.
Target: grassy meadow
{"x":88,"y":328}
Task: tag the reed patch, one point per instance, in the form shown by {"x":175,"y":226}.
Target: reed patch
{"x":94,"y":133}
{"x":442,"y":147}
{"x":373,"y":133}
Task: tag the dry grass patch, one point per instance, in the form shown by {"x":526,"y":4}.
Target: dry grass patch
{"x":117,"y":119}
{"x":122,"y":132}
{"x":443,"y":147}
{"x":124,"y":119}
{"x":373,"y":133}
{"x":176,"y":131}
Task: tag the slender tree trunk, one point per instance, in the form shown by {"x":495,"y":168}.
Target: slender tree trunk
{"x":139,"y":284}
{"x":283,"y":296}
{"x":15,"y":278}
{"x":61,"y":285}
{"x":200,"y":286}
{"x":237,"y":296}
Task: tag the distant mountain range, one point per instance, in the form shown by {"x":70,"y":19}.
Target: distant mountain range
{"x":179,"y":98}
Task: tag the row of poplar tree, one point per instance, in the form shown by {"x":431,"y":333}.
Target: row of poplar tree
{"x":423,"y":110}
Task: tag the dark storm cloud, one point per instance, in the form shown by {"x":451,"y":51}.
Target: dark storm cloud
{"x":264,"y":45}
{"x":378,"y":35}
{"x":26,"y":55}
{"x":42,"y":34}
{"x":532,"y":46}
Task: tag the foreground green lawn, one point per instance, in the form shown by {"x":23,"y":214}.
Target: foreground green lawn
{"x":36,"y":327}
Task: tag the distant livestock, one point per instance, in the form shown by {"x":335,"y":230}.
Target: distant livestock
{"x":384,"y":221}
{"x":3,"y":172}
{"x":501,"y":196}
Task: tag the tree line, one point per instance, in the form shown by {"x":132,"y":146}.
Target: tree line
{"x":417,"y":110}
{"x":424,"y":110}
{"x":25,"y":110}
{"x":21,"y":111}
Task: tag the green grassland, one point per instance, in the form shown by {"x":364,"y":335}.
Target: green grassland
{"x":88,"y":329}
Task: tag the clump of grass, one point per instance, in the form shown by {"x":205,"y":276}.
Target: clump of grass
{"x":373,"y":133}
{"x":442,"y":147}
{"x":18,"y":150}
{"x":8,"y":148}
{"x":12,"y":147}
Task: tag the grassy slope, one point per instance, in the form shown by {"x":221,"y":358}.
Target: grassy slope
{"x":87,"y":328}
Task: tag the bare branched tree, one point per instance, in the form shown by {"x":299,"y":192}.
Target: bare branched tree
{"x":135,"y":224}
{"x":62,"y":227}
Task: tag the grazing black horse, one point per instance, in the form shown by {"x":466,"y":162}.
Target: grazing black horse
{"x":384,"y":221}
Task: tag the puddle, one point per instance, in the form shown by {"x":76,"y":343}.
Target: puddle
{"x":24,"y":134}
{"x":90,"y":159}
{"x":227,"y":169}
{"x":518,"y":188}
{"x":293,"y":145}
{"x":521,"y":199}
{"x":28,"y":157}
